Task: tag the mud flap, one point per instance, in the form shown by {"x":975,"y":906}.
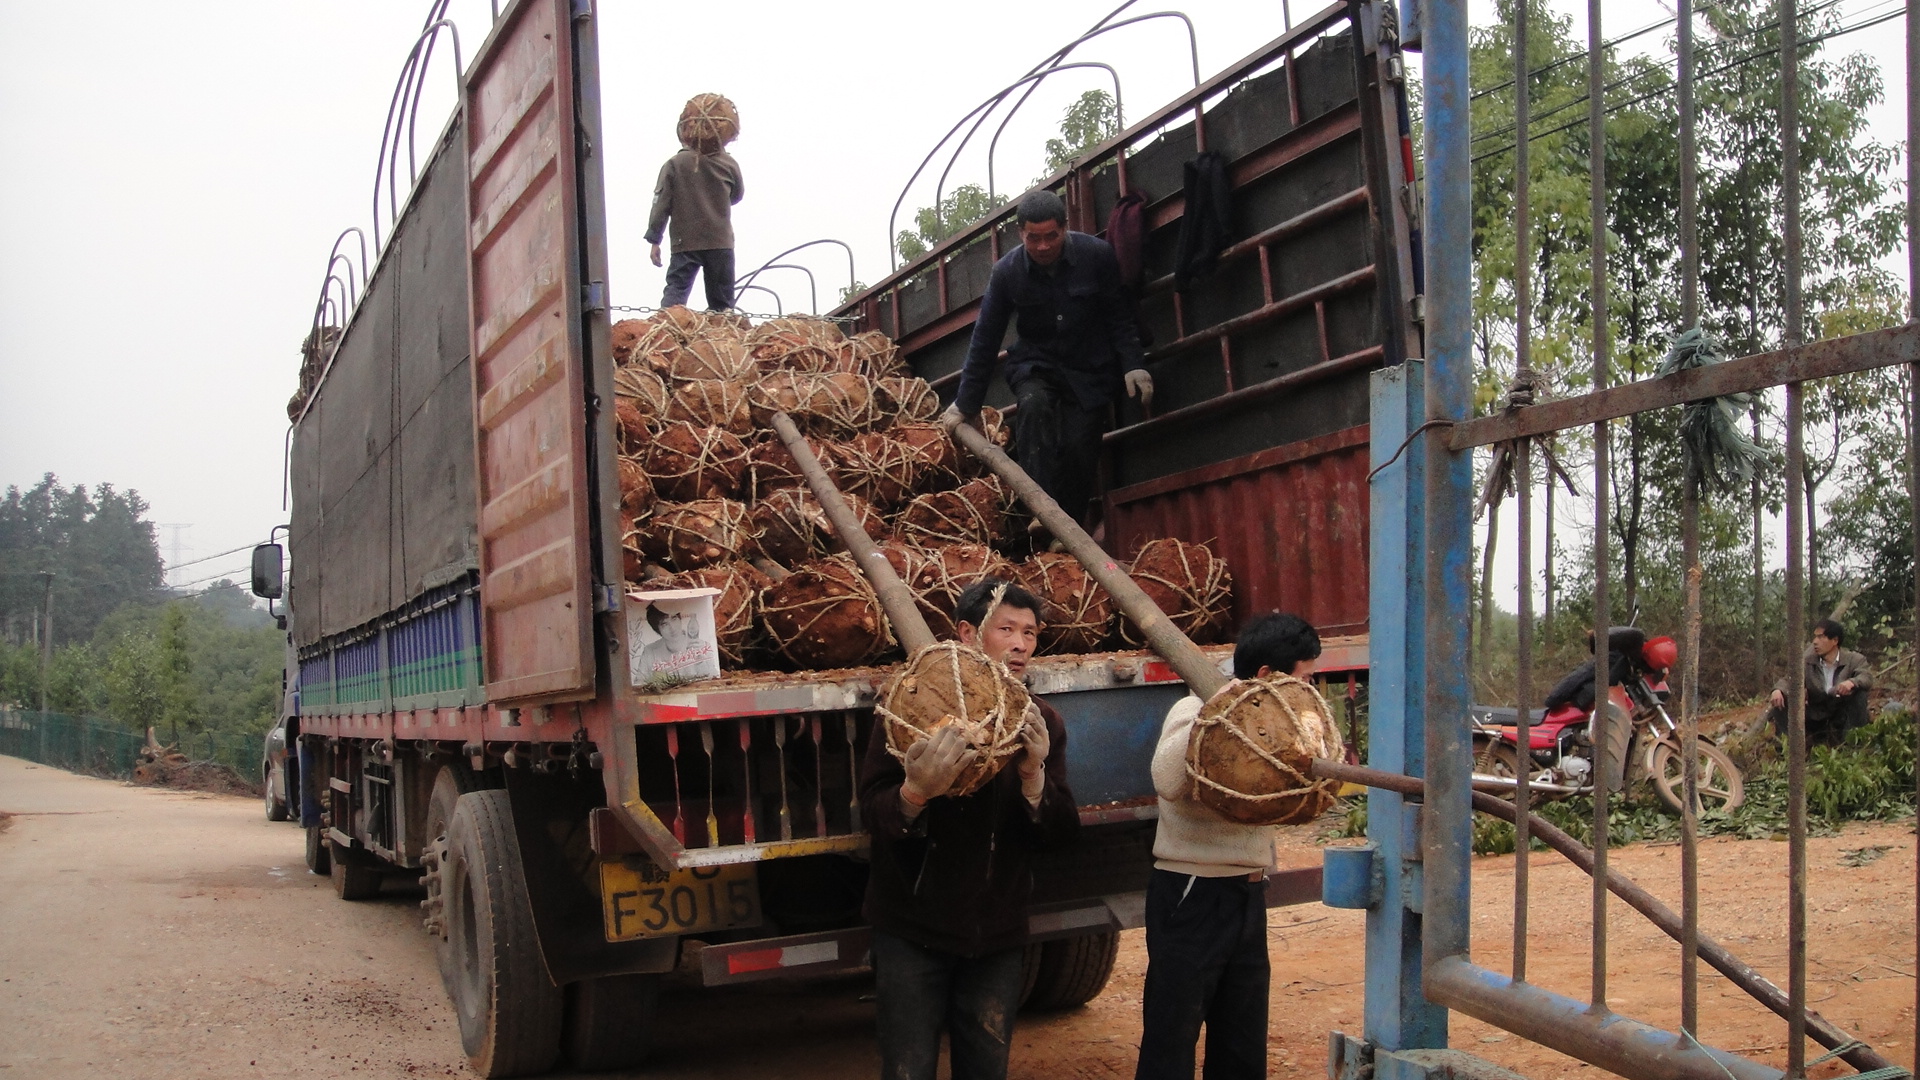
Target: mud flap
{"x":550,"y":822}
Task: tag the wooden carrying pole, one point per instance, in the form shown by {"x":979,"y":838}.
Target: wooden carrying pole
{"x":1202,"y":675}
{"x":908,"y":624}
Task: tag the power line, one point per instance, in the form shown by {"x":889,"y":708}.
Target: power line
{"x":215,"y":577}
{"x":210,"y":558}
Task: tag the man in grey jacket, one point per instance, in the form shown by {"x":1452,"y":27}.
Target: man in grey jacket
{"x":696,"y":193}
{"x":1837,"y":683}
{"x":1206,"y":901}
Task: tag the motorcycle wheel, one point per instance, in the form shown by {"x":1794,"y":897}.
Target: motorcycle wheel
{"x":1719,"y":785}
{"x":1495,"y":757}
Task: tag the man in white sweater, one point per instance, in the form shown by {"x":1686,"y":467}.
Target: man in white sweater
{"x":1206,"y":902}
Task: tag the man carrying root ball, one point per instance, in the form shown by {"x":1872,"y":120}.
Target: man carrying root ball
{"x":951,"y":874}
{"x":1206,"y":902}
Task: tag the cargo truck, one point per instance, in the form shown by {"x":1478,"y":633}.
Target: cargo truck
{"x":459,"y":626}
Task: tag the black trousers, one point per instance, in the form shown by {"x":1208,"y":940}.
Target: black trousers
{"x":1829,"y":716}
{"x":1206,"y":965}
{"x":920,"y":992}
{"x":1057,"y":441}
{"x":715,"y":265}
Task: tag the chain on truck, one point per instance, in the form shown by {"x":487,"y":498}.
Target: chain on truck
{"x":457,"y":619}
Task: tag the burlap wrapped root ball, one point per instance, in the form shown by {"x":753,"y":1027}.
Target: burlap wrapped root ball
{"x":703,"y":533}
{"x":688,"y":462}
{"x":733,"y":610}
{"x":1078,"y":615}
{"x":1251,"y":752}
{"x":714,"y":355}
{"x":933,"y":452}
{"x":778,"y":391}
{"x":771,"y":467}
{"x":948,"y":683}
{"x":792,"y":344}
{"x":1189,"y":583}
{"x":878,"y":468}
{"x":643,"y":389}
{"x":872,"y":354}
{"x":718,"y":403}
{"x":792,"y":527}
{"x":825,"y":615}
{"x":636,"y":489}
{"x":946,"y":572}
{"x":905,"y":398}
{"x":973,"y":513}
{"x":839,"y":404}
{"x":708,"y":122}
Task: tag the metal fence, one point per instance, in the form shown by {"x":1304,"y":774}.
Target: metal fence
{"x":1417,"y":881}
{"x":86,"y":744}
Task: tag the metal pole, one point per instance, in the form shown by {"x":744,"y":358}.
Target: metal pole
{"x":1690,"y":559}
{"x":46,"y":636}
{"x":1523,"y":467}
{"x":1796,"y":555}
{"x":1448,"y":815}
{"x":1602,"y":617}
{"x":1913,"y":407}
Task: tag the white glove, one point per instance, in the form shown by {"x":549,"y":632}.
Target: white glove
{"x":1140,"y":385}
{"x":951,"y":419}
{"x":1033,"y":767}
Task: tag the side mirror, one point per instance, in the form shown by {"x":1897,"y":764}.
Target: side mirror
{"x":267,"y":571}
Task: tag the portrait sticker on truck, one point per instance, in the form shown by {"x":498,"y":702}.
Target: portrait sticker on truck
{"x":639,"y":899}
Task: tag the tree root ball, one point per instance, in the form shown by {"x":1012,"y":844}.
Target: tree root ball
{"x":636,"y":489}
{"x":712,"y":403}
{"x":794,"y":528}
{"x":879,"y":469}
{"x":791,"y":344}
{"x":636,"y":430}
{"x":904,"y":398}
{"x":825,"y":615}
{"x":970,"y":514}
{"x":778,"y":391}
{"x":1251,"y":752}
{"x":946,"y":573}
{"x":874,"y":355}
{"x":1188,"y":583}
{"x":733,"y":610}
{"x":1079,"y":613}
{"x":689,"y":462}
{"x":713,"y":356}
{"x":933,"y":452}
{"x":642,"y":389}
{"x":949,"y":683}
{"x":703,"y":533}
{"x":771,"y":467}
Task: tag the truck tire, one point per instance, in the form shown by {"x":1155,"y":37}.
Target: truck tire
{"x":609,"y":1023}
{"x":319,"y":854}
{"x":451,"y":782}
{"x":1073,"y":971}
{"x":508,"y":1010}
{"x":355,"y":875}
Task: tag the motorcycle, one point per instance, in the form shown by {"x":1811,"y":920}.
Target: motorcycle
{"x":1561,"y":758}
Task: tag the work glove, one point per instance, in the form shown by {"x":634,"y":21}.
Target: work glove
{"x":1033,"y":766}
{"x":1140,"y":385}
{"x":933,"y":764}
{"x":951,"y":419}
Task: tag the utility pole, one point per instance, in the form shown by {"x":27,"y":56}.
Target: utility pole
{"x":46,"y":635}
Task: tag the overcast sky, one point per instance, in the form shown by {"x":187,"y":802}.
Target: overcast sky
{"x":180,"y":170}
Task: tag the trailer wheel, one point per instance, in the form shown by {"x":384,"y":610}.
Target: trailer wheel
{"x":509,"y":1011}
{"x":609,"y":1022}
{"x":1073,"y":971}
{"x":319,"y":854}
{"x":355,"y":876}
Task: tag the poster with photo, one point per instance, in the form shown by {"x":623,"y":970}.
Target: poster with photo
{"x":670,"y":636}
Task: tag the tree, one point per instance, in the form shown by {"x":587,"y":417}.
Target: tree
{"x":99,"y":546}
{"x":962,"y":207}
{"x":1092,"y":119}
{"x":178,"y":704}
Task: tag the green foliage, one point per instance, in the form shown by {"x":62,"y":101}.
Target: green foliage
{"x":98,"y":545}
{"x":962,"y":207}
{"x":1092,"y":119}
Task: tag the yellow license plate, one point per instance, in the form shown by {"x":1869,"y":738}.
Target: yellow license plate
{"x":640,"y":900}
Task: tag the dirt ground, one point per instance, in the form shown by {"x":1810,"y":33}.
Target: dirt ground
{"x":151,"y":933}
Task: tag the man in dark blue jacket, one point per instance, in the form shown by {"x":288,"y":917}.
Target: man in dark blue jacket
{"x":1077,"y":347}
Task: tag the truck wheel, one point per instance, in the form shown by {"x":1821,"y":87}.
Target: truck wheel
{"x":509,"y":1011}
{"x":451,"y":782}
{"x":609,"y":1022}
{"x":319,"y":854}
{"x":1074,"y":970}
{"x":355,"y":877}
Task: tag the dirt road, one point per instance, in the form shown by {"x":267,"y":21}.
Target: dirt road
{"x":157,"y":934}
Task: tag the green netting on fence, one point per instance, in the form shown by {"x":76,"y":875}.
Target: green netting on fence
{"x":100,"y":747}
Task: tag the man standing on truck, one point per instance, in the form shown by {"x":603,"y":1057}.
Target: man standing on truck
{"x":947,"y":892}
{"x":1077,"y":347}
{"x":1206,"y":901}
{"x":697,"y":191}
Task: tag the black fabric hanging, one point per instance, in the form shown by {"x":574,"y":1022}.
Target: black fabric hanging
{"x":1207,"y":221}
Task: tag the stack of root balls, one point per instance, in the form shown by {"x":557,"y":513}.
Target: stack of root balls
{"x":710,"y":497}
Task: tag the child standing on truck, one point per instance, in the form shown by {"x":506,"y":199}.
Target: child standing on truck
{"x":696,"y":192}
{"x":1206,"y":901}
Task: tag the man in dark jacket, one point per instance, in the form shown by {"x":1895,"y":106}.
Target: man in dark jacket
{"x":1078,"y":346}
{"x":951,"y":875}
{"x":1837,"y":683}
